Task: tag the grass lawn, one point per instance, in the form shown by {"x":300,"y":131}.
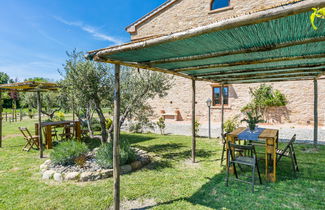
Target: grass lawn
{"x":171,"y":181}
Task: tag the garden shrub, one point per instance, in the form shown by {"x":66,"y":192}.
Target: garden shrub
{"x":161,"y":125}
{"x":109,"y":122}
{"x":104,"y":155}
{"x":67,"y":152}
{"x":59,"y":116}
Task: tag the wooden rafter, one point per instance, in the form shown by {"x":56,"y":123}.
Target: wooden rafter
{"x":245,"y":81}
{"x":286,"y":75}
{"x":250,"y":62}
{"x":266,"y":73}
{"x":264,"y":69}
{"x":236,"y":52}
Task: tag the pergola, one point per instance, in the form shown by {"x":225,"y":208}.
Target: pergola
{"x":29,"y":86}
{"x":273,"y":45}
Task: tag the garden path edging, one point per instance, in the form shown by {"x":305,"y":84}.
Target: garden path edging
{"x":48,"y":171}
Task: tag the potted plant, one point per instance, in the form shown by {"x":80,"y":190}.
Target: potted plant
{"x":252,"y":120}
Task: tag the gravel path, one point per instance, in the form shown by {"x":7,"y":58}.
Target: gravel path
{"x":304,"y":133}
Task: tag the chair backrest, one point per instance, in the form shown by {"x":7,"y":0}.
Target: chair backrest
{"x":250,"y":148}
{"x":290,"y":144}
{"x":25,"y":132}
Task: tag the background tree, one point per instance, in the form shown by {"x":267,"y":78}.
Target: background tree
{"x":52,"y":101}
{"x":89,"y":83}
{"x":4,"y":78}
{"x":92,"y":85}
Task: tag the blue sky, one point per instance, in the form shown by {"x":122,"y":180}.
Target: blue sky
{"x":35,"y":34}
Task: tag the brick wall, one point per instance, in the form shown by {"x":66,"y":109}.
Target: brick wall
{"x":186,"y":14}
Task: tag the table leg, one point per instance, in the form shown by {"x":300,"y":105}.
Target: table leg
{"x":232,"y":140}
{"x":36,"y":130}
{"x":48,"y":137}
{"x":270,"y":157}
{"x":78,"y":130}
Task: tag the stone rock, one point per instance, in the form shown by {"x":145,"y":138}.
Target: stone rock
{"x":71,"y":176}
{"x":136,"y":165}
{"x":58,"y":177}
{"x":48,"y":174}
{"x":47,"y":162}
{"x":85,"y":176}
{"x":126,"y":169}
{"x":96,"y":176}
{"x":43,"y":166}
{"x":106,"y":173}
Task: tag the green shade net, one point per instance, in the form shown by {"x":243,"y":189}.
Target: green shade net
{"x":283,"y":30}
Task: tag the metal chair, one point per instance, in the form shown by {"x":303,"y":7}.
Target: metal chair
{"x":289,"y":152}
{"x":243,"y":160}
{"x":31,"y":140}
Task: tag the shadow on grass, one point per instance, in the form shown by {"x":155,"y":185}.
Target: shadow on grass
{"x":300,"y":190}
{"x":134,"y":138}
{"x":182,"y":155}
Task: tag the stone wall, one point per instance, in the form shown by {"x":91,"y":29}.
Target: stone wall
{"x":187,"y":14}
{"x":299,"y":110}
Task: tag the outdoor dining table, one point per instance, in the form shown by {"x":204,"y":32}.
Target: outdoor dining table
{"x":268,"y":137}
{"x":48,"y":130}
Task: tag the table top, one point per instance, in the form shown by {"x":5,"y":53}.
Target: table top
{"x":57,"y":123}
{"x":266,"y":133}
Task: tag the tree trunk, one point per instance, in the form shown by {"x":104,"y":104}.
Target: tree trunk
{"x":102,"y":121}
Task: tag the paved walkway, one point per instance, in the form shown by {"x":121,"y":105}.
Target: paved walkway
{"x":286,"y":131}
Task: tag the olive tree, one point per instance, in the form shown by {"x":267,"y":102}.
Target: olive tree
{"x":92,"y":86}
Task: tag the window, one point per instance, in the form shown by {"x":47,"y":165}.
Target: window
{"x":217,"y":95}
{"x":217,"y":4}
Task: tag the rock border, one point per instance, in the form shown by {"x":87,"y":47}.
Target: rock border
{"x":48,"y":173}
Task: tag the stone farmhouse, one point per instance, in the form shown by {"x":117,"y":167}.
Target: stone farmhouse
{"x":179,"y":15}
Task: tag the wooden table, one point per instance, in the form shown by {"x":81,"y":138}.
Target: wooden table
{"x":48,"y":130}
{"x":271,"y":143}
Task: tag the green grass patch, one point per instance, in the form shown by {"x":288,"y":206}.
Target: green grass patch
{"x":171,"y":179}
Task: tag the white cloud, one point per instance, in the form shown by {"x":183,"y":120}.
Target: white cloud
{"x":91,"y":30}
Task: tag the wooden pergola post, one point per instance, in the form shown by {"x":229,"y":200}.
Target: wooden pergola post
{"x":116,"y":139}
{"x":222,"y":111}
{"x":193,"y":122}
{"x":0,"y":119}
{"x":39,"y":107}
{"x":315,"y":112}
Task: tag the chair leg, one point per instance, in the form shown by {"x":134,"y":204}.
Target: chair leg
{"x":223,"y":153}
{"x":258,"y":172}
{"x":292,"y":161}
{"x":235,"y":171}
{"x":253,"y":178}
{"x":227,"y":174}
{"x":295,"y":159}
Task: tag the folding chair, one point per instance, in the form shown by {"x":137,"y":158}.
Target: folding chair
{"x":243,"y":160}
{"x":224,"y":149}
{"x":289,"y":152}
{"x":67,"y":134}
{"x":31,"y":140}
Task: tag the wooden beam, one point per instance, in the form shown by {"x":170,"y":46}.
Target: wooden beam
{"x":193,"y":122}
{"x":250,"y":19}
{"x":249,"y":62}
{"x":251,"y":70}
{"x":287,"y":75}
{"x":269,"y":47}
{"x":141,"y":66}
{"x":116,"y":139}
{"x":265,"y":72}
{"x":315,"y":112}
{"x":40,"y":138}
{"x":222,"y":112}
{"x":268,"y":80}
